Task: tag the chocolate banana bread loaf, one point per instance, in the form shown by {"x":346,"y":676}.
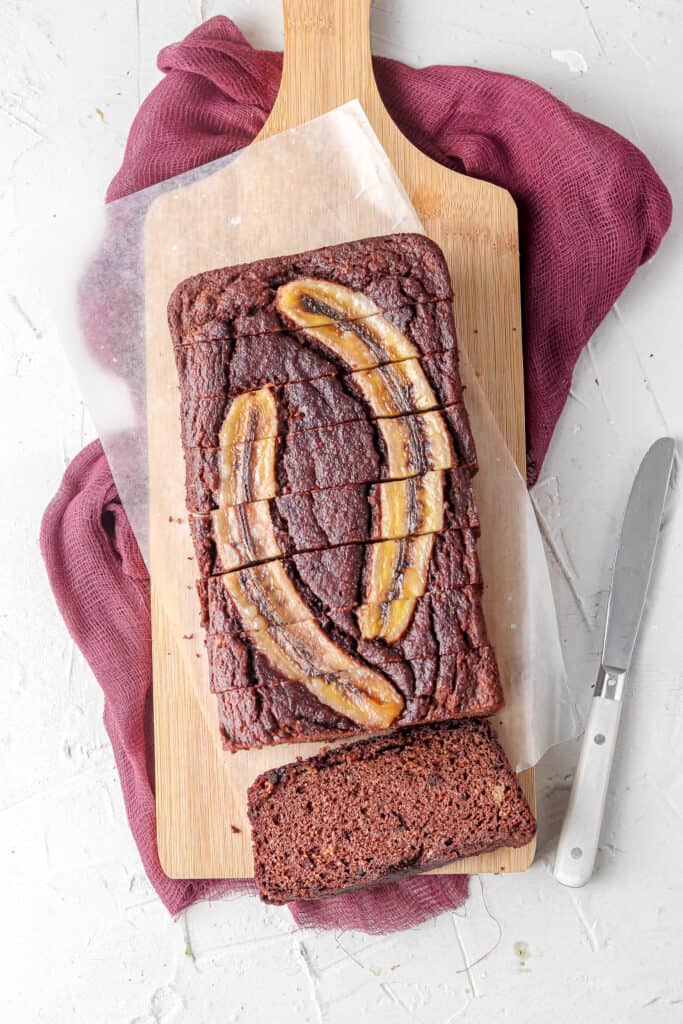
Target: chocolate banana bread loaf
{"x":403,"y":694}
{"x":359,"y":452}
{"x":412,"y":385}
{"x":384,"y":273}
{"x":350,"y":514}
{"x":245,"y":660}
{"x":365,"y":812}
{"x":429,"y":627}
{"x":328,"y":457}
{"x":345,"y":577}
{"x":234,"y":365}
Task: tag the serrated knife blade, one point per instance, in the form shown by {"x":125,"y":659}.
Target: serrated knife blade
{"x":580,"y":833}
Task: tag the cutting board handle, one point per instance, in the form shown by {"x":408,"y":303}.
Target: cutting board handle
{"x":327,"y":62}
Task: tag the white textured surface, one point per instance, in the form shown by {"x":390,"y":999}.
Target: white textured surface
{"x":83,"y":937}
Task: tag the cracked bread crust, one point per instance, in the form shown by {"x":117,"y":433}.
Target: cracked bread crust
{"x":467,"y":679}
{"x":456,"y":686}
{"x":315,"y":460}
{"x":316,"y":520}
{"x":307,"y":405}
{"x":392,"y":270}
{"x":235,"y":365}
{"x":448,"y":622}
{"x":336,"y":578}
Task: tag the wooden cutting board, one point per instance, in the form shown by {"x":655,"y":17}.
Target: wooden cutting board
{"x":203,"y":831}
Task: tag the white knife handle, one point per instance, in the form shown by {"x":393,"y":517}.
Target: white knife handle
{"x":580,"y":834}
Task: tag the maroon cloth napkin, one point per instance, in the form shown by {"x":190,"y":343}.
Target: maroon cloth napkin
{"x":591,"y":210}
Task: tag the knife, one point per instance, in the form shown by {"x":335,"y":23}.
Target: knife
{"x":580,"y":834}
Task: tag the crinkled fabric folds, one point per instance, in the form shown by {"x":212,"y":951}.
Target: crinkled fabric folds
{"x":591,"y":210}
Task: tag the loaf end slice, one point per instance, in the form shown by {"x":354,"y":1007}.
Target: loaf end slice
{"x":364,"y":812}
{"x":392,"y":271}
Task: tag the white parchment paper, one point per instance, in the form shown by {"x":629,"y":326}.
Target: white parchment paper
{"x":352,"y":192}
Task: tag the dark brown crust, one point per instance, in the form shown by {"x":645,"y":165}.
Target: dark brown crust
{"x":334,"y":579}
{"x":364,"y":812}
{"x":393,"y":271}
{"x":236,"y":365}
{"x":316,"y":520}
{"x":471,"y":674}
{"x":277,"y":711}
{"x":447,"y":622}
{"x":309,"y":460}
{"x":230,"y":338}
{"x":307,"y":405}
